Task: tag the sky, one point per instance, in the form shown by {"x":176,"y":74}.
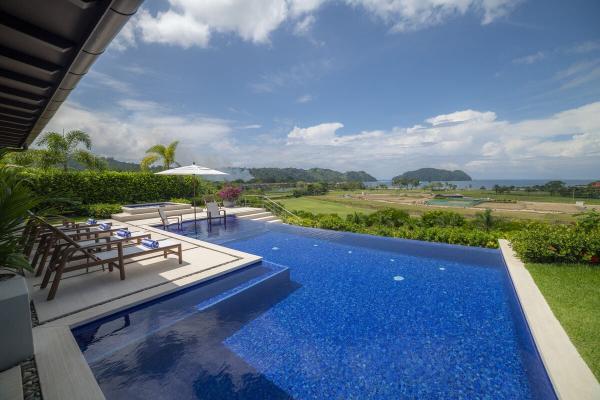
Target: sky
{"x":498,"y":88}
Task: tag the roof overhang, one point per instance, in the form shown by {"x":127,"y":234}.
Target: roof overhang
{"x":46,"y":47}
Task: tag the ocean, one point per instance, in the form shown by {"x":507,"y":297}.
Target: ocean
{"x":489,"y":183}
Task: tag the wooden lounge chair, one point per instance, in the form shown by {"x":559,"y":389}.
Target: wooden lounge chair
{"x":52,"y":244}
{"x":46,"y":236}
{"x":166,"y":219}
{"x":114,"y":257}
{"x":213,"y":211}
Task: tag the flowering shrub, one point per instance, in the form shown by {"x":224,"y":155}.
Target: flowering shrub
{"x":230,"y":193}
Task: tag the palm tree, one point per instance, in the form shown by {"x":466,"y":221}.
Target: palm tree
{"x":486,"y":219}
{"x":160,"y":152}
{"x":60,"y":148}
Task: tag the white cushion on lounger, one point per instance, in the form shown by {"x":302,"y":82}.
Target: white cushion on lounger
{"x":134,"y":235}
{"x":132,"y":250}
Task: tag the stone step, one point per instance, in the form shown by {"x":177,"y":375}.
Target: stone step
{"x":255,"y":215}
{"x":266,"y":218}
{"x":248,"y":212}
{"x":275,"y":221}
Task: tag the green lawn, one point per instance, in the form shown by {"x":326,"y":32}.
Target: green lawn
{"x":524,"y":196}
{"x":335,"y":203}
{"x":573,"y":293}
{"x":321,"y":206}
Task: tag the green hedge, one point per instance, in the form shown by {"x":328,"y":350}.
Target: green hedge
{"x":557,"y":243}
{"x":89,"y":187}
{"x":102,"y":210}
{"x":463,"y":235}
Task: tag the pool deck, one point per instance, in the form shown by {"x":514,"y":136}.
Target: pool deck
{"x":570,"y":375}
{"x":82,"y":297}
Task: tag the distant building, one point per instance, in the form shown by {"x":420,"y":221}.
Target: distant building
{"x":595,"y":184}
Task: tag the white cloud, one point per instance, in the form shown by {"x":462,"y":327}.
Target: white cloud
{"x":125,"y":38}
{"x":99,"y":79}
{"x":126,"y":135}
{"x":586,"y":47}
{"x":172,"y":27}
{"x":318,"y":134}
{"x":304,"y":26}
{"x":579,"y":74}
{"x":304,"y":98}
{"x":461,"y":117}
{"x":565,"y":144}
{"x":188,"y":23}
{"x":297,"y":75}
{"x":251,"y":126}
{"x":470,"y":139}
{"x":410,"y":15}
{"x":531,"y":58}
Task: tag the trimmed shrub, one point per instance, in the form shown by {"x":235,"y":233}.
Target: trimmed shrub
{"x":180,"y":200}
{"x":463,"y":235}
{"x":557,"y":243}
{"x":102,"y":210}
{"x":442,"y":218}
{"x":89,"y":187}
{"x":389,"y":217}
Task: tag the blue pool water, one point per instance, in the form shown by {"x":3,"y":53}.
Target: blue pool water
{"x":360,"y":317}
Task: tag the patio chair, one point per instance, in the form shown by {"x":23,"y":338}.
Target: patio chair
{"x":53,"y":243}
{"x":166,"y":219}
{"x":213,"y":211}
{"x":114,"y":257}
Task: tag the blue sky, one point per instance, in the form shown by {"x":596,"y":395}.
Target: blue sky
{"x":498,"y":88}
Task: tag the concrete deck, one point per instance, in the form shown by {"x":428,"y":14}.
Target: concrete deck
{"x":570,"y":375}
{"x":11,"y":384}
{"x":82,"y":297}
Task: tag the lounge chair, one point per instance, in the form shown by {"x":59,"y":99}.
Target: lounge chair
{"x":114,"y":257}
{"x":213,"y":211}
{"x":52,"y":244}
{"x":166,"y":219}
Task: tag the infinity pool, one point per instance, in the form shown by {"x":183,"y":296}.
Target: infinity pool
{"x":359,"y":317}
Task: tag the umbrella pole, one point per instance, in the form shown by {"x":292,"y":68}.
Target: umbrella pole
{"x":194,"y":203}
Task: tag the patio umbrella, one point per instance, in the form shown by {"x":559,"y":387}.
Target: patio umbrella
{"x":192,"y":170}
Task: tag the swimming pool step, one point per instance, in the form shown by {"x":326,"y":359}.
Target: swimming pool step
{"x":275,"y":221}
{"x":255,"y":215}
{"x":262,"y":216}
{"x":266,"y":219}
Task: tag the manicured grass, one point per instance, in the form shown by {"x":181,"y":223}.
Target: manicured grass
{"x":573,"y":293}
{"x":524,"y":196}
{"x":318,"y":205}
{"x":417,"y":210}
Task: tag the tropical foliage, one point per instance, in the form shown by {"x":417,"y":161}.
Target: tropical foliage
{"x":162,"y":153}
{"x":557,"y":243}
{"x":397,"y":223}
{"x":16,"y":198}
{"x":102,"y":210}
{"x":90,"y":187}
{"x":60,"y":148}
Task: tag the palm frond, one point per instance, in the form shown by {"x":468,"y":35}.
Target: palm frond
{"x":157,"y":149}
{"x":148,"y":161}
{"x":76,"y":137}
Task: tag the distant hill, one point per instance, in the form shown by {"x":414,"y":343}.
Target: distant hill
{"x":272,"y":175}
{"x":434,"y":174}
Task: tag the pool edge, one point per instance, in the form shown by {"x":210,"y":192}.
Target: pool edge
{"x":570,"y":375}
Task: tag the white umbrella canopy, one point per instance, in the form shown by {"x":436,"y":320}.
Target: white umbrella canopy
{"x":192,"y":170}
